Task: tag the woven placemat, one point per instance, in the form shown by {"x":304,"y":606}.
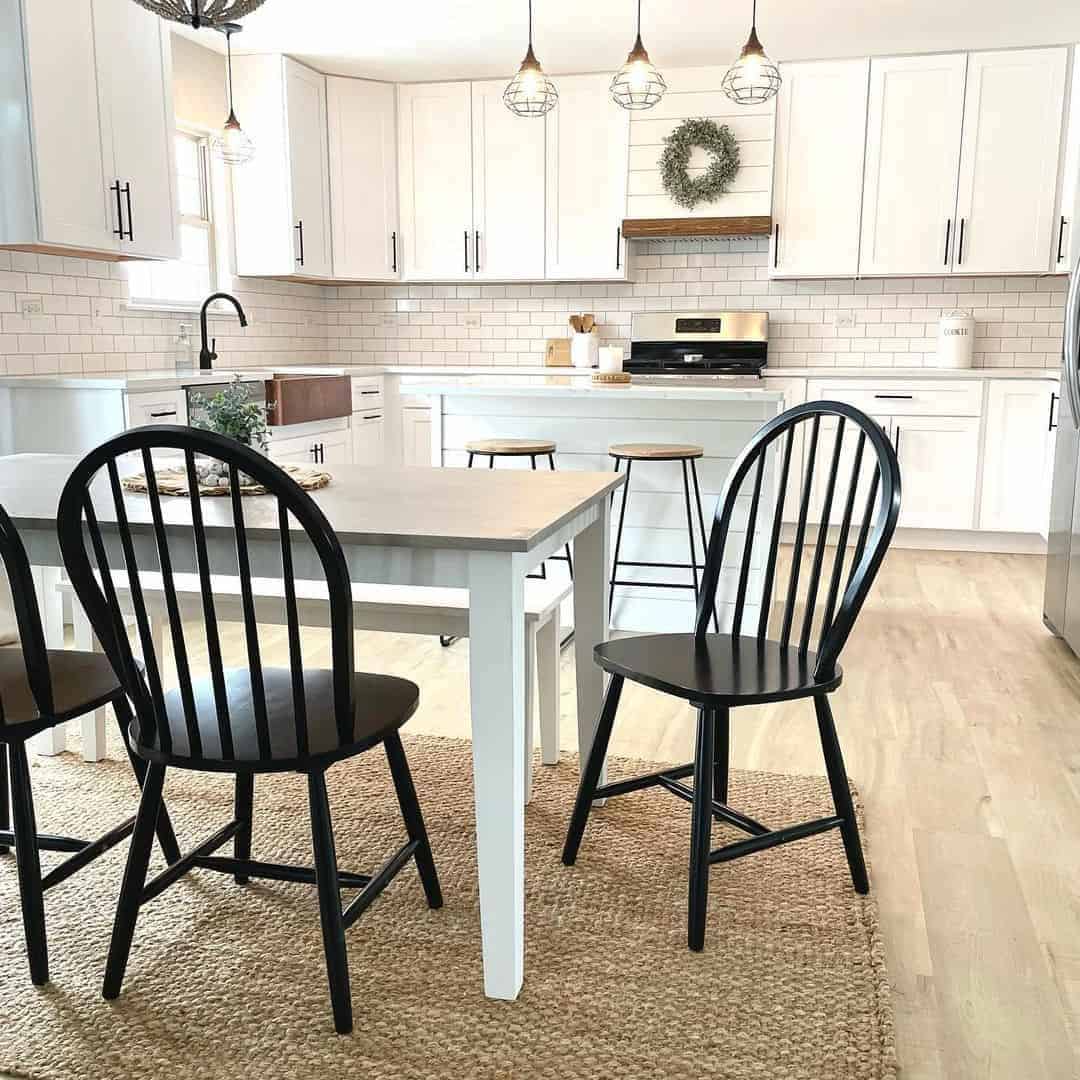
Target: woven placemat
{"x":175,"y":482}
{"x":228,"y":981}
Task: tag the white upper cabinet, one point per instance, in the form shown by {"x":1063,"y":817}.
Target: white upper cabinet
{"x":508,"y":188}
{"x":86,"y":147}
{"x":282,"y":196}
{"x":1009,"y":162}
{"x":588,"y":140}
{"x":363,"y":178}
{"x":818,"y":168}
{"x":135,"y":90}
{"x":913,"y":136}
{"x":1066,"y":223}
{"x":435,"y":173}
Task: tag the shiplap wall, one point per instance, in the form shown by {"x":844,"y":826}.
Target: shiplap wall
{"x":695,"y":93}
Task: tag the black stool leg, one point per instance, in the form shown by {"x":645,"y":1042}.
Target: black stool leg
{"x":618,"y":538}
{"x":721,"y":754}
{"x":701,"y":831}
{"x":590,"y":775}
{"x":166,"y":837}
{"x":569,"y":557}
{"x":690,"y":530}
{"x":704,"y":534}
{"x":127,"y":908}
{"x":243,"y":812}
{"x":471,"y":456}
{"x":5,"y":798}
{"x":31,"y":895}
{"x":414,"y":820}
{"x":333,"y":926}
{"x":841,"y":793}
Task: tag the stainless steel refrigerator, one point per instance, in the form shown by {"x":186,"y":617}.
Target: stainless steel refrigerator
{"x":1061,"y":603}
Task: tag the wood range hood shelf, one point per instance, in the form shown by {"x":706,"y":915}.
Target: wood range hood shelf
{"x":696,"y":228}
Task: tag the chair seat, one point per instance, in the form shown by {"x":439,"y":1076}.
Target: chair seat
{"x":718,"y":670}
{"x":81,"y":682}
{"x":510,"y":447}
{"x":382,"y":704}
{"x":656,"y":451}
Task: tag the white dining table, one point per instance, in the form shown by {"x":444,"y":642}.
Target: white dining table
{"x":483,"y":530}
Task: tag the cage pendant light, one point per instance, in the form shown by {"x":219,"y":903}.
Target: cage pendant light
{"x":231,"y":144}
{"x":200,"y":13}
{"x":637,"y":84}
{"x":530,"y":92}
{"x":753,"y":78}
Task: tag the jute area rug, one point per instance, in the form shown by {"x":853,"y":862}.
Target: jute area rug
{"x":229,"y":981}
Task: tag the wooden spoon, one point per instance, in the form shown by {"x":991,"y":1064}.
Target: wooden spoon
{"x":575,"y":323}
{"x":587,"y":323}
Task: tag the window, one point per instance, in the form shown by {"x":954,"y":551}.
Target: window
{"x":188,"y":280}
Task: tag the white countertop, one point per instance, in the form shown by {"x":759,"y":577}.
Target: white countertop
{"x":140,"y":381}
{"x":569,"y":386}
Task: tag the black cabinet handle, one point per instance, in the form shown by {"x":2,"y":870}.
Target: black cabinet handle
{"x":466,"y":251}
{"x":131,"y":217}
{"x":318,"y":453}
{"x":300,"y":229}
{"x":119,"y":230}
{"x":960,"y":249}
{"x":476,"y":250}
{"x":1061,"y":239}
{"x":1052,"y":423}
{"x":364,"y":393}
{"x":948,"y":234}
{"x":159,"y":415}
{"x":894,"y":397}
{"x":618,"y":247}
{"x":776,"y":246}
{"x":393,"y":248}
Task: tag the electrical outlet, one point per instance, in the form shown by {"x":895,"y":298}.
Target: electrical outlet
{"x":30,"y":308}
{"x":471,"y":322}
{"x":100,"y":308}
{"x":844,"y":320}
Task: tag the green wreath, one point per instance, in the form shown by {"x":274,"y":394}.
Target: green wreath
{"x":717,"y":140}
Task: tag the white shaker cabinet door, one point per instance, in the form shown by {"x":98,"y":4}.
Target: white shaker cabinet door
{"x":368,"y":439}
{"x":939,"y":466}
{"x":363,"y":178}
{"x":138,"y":124}
{"x":818,"y":170}
{"x":1009,"y":163}
{"x":913,"y":135}
{"x":76,"y":209}
{"x":435,"y":178}
{"x":588,"y":147}
{"x":508,"y":188}
{"x":305,"y":96}
{"x":1019,"y":455}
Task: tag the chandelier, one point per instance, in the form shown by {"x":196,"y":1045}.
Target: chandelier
{"x":200,"y":13}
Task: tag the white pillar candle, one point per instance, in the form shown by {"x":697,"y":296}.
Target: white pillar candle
{"x":611,"y":358}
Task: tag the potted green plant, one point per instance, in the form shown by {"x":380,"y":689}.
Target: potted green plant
{"x":230,"y":412}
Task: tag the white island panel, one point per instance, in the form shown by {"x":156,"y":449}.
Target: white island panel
{"x":584,"y":421}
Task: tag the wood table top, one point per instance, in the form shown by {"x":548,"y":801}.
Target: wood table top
{"x":472,"y":509}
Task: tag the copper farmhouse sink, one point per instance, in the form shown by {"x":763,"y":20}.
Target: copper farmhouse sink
{"x":300,"y":399}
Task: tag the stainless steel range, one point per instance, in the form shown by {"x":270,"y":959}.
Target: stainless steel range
{"x":712,"y":344}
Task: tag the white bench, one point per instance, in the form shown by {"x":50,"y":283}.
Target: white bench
{"x":400,"y":609}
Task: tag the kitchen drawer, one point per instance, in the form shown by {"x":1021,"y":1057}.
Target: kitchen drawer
{"x":162,"y":407}
{"x":367,"y":392}
{"x":320,"y":448}
{"x":903,"y":397}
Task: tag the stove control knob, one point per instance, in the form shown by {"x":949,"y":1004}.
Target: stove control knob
{"x":693,"y":358}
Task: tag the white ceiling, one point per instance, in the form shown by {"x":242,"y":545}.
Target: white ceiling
{"x":416,"y":40}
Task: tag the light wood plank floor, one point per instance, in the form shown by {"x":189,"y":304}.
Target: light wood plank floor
{"x":960,"y":720}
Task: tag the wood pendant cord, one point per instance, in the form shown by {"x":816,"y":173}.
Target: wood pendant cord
{"x":245,"y":721}
{"x":40,"y":689}
{"x":719,"y":672}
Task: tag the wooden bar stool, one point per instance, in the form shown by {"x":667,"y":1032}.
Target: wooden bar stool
{"x":686,"y":454}
{"x":519,"y":448}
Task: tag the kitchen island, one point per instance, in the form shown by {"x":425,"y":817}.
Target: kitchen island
{"x":584,"y":421}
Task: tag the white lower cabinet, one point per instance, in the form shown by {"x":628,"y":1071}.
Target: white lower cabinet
{"x":939,"y":470}
{"x":315,"y":446}
{"x":416,"y":436}
{"x":368,"y":438}
{"x":1021,"y":415}
{"x":158,"y":407}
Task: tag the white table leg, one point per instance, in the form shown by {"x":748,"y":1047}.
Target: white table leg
{"x":93,"y":724}
{"x":591,"y":567}
{"x":497,"y":690}
{"x":530,"y":705}
{"x":547,"y":669}
{"x":51,"y":605}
